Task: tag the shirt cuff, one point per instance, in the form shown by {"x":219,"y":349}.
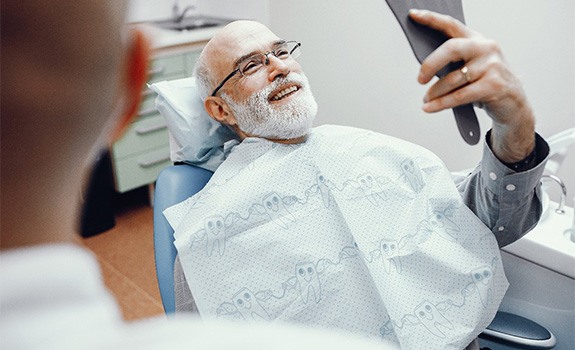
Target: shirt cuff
{"x":506,"y":183}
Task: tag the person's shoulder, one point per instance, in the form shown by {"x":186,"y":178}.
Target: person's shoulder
{"x":333,"y":129}
{"x":337,"y":136}
{"x":342,"y":132}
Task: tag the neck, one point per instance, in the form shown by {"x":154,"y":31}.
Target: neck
{"x":297,"y":140}
{"x":242,"y":135}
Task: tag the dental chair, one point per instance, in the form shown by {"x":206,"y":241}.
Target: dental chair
{"x":174,"y":184}
{"x":197,"y":149}
{"x":180,"y":181}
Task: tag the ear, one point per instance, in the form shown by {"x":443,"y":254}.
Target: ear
{"x":134,"y":76}
{"x":219,"y":110}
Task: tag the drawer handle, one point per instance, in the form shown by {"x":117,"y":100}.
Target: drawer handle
{"x":145,"y":112}
{"x":151,"y":128}
{"x":147,"y":163}
{"x":156,"y":70}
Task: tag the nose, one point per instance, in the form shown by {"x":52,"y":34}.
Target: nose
{"x":277,"y":67}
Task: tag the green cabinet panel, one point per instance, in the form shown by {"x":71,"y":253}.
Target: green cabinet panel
{"x":165,"y":67}
{"x":143,"y":151}
{"x":142,"y":169}
{"x":148,"y":133}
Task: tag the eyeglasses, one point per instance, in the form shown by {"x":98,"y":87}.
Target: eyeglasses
{"x":252,"y":64}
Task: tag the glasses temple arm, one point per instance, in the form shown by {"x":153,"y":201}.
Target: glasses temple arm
{"x":294,"y":48}
{"x":224,"y":81}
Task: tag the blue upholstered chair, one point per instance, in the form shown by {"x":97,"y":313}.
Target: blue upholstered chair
{"x":194,"y":137}
{"x":175,"y":184}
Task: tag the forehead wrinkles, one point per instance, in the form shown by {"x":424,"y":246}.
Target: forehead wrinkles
{"x":236,"y":40}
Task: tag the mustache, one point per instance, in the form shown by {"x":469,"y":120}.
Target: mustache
{"x":291,"y":78}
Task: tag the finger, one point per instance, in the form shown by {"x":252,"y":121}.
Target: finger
{"x":445,"y":24}
{"x":464,"y":95}
{"x":453,"y":81}
{"x":453,"y":50}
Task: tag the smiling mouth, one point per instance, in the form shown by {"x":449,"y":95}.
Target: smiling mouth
{"x":284,"y":93}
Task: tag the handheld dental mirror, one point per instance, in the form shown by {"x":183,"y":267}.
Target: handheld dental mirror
{"x":424,"y":40}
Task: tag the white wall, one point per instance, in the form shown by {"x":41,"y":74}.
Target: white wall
{"x":363,"y":72}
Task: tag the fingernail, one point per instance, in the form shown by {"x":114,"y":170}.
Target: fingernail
{"x":426,"y":107}
{"x":420,"y":78}
{"x":414,"y":11}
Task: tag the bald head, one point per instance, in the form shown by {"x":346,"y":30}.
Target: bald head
{"x":61,"y":64}
{"x":228,"y":41}
{"x":58,"y":44}
{"x":63,"y":68}
{"x":218,"y":56}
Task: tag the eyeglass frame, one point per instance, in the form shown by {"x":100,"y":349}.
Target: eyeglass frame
{"x":237,"y":70}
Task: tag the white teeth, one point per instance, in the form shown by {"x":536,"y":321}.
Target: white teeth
{"x":284,"y":92}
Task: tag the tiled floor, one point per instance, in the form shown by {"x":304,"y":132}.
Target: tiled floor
{"x":126,"y":256}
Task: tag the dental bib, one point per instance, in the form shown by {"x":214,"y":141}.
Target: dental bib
{"x":351,"y":230}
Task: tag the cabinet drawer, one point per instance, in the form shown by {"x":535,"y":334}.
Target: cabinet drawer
{"x":167,"y":66}
{"x":141,"y":169}
{"x":190,"y":61}
{"x":147,"y":133}
{"x":148,"y":102}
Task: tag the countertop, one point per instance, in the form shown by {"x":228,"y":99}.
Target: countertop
{"x":164,"y":38}
{"x":548,"y":244}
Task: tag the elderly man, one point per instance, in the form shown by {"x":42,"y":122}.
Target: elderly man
{"x":71,"y":80}
{"x":250,"y":80}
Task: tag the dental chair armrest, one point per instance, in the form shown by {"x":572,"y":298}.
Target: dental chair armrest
{"x":518,"y":332}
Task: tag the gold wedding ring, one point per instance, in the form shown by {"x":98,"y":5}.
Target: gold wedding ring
{"x":466,"y":74}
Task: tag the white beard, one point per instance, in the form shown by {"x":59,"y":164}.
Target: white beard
{"x":257,"y":117}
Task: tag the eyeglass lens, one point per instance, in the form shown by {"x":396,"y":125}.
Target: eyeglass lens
{"x":253,"y":63}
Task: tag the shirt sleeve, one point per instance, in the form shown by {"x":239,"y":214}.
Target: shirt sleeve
{"x":507,"y":201}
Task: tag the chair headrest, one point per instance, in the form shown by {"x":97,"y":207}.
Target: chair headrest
{"x":195,"y":138}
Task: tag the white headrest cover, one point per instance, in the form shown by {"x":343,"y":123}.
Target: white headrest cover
{"x":195,"y":138}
